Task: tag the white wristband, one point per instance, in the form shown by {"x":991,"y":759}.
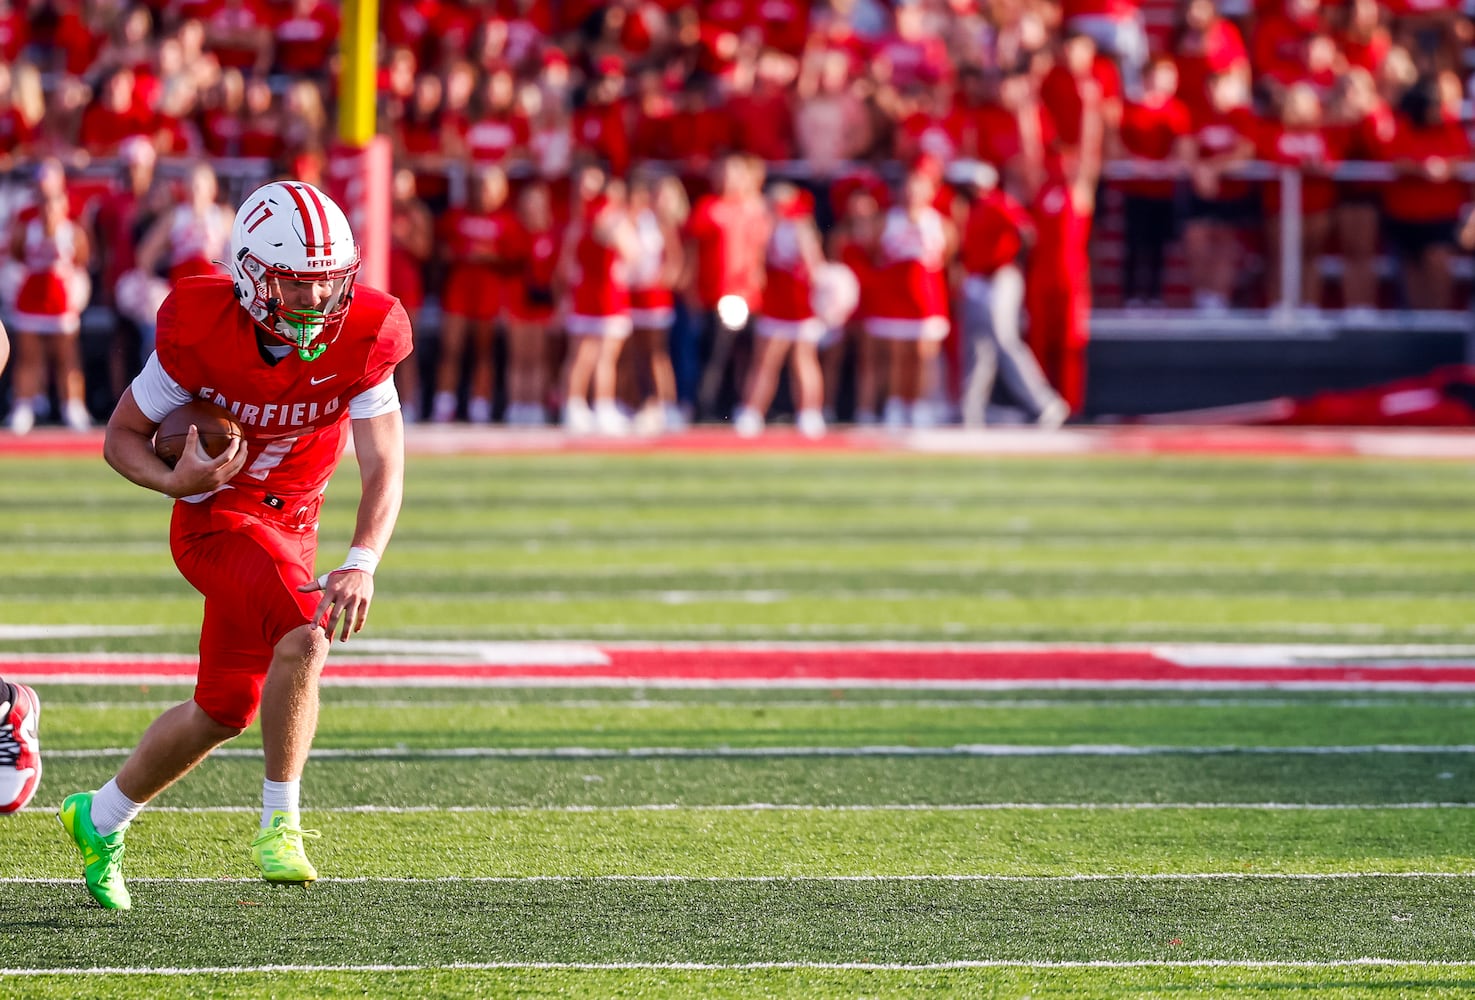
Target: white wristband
{"x":359,"y":558}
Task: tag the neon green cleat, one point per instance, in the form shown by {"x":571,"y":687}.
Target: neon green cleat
{"x":277,"y":850}
{"x":102,"y":857}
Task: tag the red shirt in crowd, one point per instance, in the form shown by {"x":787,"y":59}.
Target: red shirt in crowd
{"x":1061,"y":93}
{"x":233,"y":16}
{"x":1308,"y":148}
{"x":103,"y":129}
{"x":651,"y":134}
{"x":920,"y":62}
{"x":492,"y":138}
{"x":1223,"y":51}
{"x":1149,"y":131}
{"x":699,"y":134}
{"x":1117,"y":10}
{"x":994,"y":133}
{"x":78,"y":43}
{"x":785,"y":24}
{"x":602,"y":129}
{"x":1419,"y":199}
{"x":1367,"y":54}
{"x":304,"y":42}
{"x":763,"y":124}
{"x":994,"y":234}
{"x":1280,"y":46}
{"x":1218,"y":133}
{"x":15,"y":33}
{"x":730,"y":236}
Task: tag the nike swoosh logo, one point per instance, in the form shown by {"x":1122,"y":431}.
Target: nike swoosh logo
{"x":320,"y":381}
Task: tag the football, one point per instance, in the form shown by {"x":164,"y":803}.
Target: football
{"x":214,"y":423}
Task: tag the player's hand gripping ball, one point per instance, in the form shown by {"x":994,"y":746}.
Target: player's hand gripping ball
{"x":212,"y":422}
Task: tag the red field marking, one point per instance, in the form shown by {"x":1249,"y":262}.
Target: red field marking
{"x":819,"y":666}
{"x":718,"y":439}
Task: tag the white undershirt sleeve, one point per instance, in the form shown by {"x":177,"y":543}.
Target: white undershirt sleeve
{"x":156,"y":394}
{"x":375,"y":402}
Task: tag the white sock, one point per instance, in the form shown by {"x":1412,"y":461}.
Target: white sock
{"x":280,"y":796}
{"x":112,"y":810}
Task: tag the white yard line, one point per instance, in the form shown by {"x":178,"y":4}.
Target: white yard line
{"x":963,"y":750}
{"x":801,"y":879}
{"x":758,"y":807}
{"x":1207,"y":963}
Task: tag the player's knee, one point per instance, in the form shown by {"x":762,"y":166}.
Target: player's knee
{"x":222,"y":719}
{"x":303,"y":648}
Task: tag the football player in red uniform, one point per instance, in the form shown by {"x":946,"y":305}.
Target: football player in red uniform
{"x":303,"y":358}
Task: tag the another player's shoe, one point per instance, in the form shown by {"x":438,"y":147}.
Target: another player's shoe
{"x":20,"y":746}
{"x":102,"y":857}
{"x":277,"y":851}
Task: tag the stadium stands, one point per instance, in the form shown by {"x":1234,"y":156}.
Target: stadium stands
{"x":1181,"y":131}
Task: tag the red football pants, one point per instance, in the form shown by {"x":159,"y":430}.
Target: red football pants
{"x":248,"y":565}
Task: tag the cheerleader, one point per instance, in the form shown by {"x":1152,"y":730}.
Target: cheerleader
{"x":910,"y":311}
{"x":53,"y":251}
{"x":660,"y":209}
{"x":787,"y":327}
{"x":182,"y":241}
{"x":530,"y":306}
{"x":476,"y":287}
{"x":598,"y":323}
{"x":411,"y":240}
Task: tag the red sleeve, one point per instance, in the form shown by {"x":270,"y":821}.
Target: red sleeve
{"x":393,"y":342}
{"x":173,"y":356}
{"x":700,"y":226}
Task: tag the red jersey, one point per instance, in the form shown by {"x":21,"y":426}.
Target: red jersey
{"x":295,"y":413}
{"x":304,"y":43}
{"x":730,"y":234}
{"x":1218,"y":133}
{"x":994,"y":234}
{"x":493,"y":138}
{"x":1305,"y":148}
{"x":103,"y":130}
{"x":601,"y":129}
{"x":1418,"y":199}
{"x":1220,"y":50}
{"x":1149,"y":132}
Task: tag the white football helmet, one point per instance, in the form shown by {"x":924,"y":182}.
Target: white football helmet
{"x":290,"y":232}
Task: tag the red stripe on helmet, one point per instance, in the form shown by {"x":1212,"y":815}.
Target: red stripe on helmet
{"x":309,"y":235}
{"x":323,"y":218}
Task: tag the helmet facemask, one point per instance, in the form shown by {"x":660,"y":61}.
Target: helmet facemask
{"x":293,"y":263}
{"x":304,"y":310}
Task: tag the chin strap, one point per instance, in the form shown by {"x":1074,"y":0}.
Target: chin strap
{"x":311,"y":353}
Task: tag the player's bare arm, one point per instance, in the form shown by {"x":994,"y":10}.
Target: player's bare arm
{"x":379,"y":443}
{"x":129,"y":449}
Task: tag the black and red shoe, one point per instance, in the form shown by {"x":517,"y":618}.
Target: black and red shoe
{"x":20,"y":746}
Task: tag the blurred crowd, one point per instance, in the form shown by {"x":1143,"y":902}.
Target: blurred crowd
{"x":632,"y":214}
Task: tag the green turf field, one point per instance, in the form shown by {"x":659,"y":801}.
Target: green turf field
{"x":493,"y":841}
